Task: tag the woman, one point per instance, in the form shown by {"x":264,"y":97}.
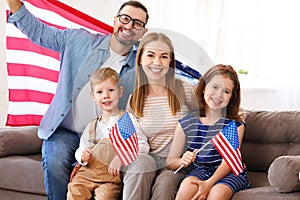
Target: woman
{"x":159,"y":101}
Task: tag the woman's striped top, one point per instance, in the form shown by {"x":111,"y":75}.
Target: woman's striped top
{"x":158,"y":123}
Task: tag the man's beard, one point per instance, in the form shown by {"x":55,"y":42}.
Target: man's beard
{"x":122,"y":41}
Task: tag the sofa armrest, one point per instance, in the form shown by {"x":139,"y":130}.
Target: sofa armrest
{"x":283,"y":174}
{"x":19,"y":141}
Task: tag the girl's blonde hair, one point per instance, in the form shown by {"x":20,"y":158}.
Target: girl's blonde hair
{"x":141,"y":90}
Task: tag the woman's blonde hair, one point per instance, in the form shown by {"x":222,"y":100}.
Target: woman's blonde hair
{"x":141,"y":90}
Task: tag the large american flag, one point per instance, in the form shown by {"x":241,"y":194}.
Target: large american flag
{"x":228,"y":145}
{"x":124,"y":139}
{"x":33,"y":70}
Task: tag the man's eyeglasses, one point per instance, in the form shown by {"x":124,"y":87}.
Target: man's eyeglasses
{"x":136,"y":23}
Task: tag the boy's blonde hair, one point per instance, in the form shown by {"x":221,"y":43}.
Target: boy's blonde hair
{"x":103,"y":74}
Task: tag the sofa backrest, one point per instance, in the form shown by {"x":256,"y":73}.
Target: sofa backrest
{"x":269,"y":135}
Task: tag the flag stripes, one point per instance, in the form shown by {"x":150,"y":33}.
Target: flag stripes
{"x":30,"y":95}
{"x":232,"y":157}
{"x":24,"y":44}
{"x":59,"y":14}
{"x":33,"y":70}
{"x":32,"y":58}
{"x":125,"y":149}
{"x":29,"y":107}
{"x":24,"y":119}
{"x":31,"y":83}
{"x":227,"y":144}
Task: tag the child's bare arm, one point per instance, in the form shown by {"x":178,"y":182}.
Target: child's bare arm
{"x":174,"y":159}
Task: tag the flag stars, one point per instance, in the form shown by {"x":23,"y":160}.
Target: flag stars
{"x":124,"y":139}
{"x":230,"y":132}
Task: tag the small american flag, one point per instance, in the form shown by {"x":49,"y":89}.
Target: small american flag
{"x":227,"y":144}
{"x":124,"y":139}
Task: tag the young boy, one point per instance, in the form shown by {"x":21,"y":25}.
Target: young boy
{"x":99,"y":174}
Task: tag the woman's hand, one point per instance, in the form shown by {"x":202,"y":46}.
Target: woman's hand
{"x":115,"y":167}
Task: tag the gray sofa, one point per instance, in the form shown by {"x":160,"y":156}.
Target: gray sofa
{"x":271,"y":151}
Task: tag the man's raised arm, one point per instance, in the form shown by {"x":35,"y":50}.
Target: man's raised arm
{"x":14,"y":5}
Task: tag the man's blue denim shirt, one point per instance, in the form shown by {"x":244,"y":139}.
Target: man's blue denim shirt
{"x":81,"y":53}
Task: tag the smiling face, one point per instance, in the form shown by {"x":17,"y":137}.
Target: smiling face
{"x":106,"y":94}
{"x":218,"y":91}
{"x":126,"y":34}
{"x":155,"y":61}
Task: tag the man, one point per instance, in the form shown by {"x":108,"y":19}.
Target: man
{"x":81,"y":54}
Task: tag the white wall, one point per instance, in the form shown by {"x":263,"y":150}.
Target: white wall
{"x":269,"y":95}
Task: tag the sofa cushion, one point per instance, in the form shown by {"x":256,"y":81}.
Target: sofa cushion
{"x":263,"y":193}
{"x":258,"y":179}
{"x":269,"y":135}
{"x":22,"y":174}
{"x":283,"y":173}
{"x":19,"y":141}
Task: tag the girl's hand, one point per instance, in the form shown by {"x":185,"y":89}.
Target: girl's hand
{"x":115,"y":166}
{"x":187,"y":158}
{"x":203,"y":190}
{"x":86,"y":155}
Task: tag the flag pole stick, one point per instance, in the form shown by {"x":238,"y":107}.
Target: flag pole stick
{"x":181,"y":166}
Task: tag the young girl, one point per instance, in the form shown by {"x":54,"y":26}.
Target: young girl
{"x":159,"y":101}
{"x":218,"y":94}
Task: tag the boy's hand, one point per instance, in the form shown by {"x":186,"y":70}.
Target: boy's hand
{"x":86,"y":155}
{"x":115,"y":166}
